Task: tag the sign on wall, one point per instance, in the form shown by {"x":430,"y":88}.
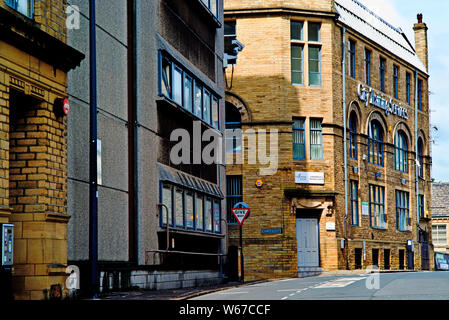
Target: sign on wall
{"x":309,"y":177}
{"x":370,"y":97}
{"x":365,"y":209}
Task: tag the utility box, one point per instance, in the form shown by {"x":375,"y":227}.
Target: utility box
{"x":7,"y":246}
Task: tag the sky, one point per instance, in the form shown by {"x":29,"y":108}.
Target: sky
{"x":402,"y":14}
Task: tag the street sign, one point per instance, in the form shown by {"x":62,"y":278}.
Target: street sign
{"x":240,"y":211}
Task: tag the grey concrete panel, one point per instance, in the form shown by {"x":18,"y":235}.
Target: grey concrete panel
{"x":112,"y":225}
{"x":113,"y":134}
{"x":78,"y":141}
{"x":111,"y":16}
{"x":78,"y":227}
{"x":83,"y":5}
{"x":112,"y":75}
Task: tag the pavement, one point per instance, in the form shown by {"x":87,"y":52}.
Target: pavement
{"x":191,"y":293}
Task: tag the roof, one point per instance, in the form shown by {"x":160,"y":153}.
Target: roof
{"x":356,"y":16}
{"x":440,"y":199}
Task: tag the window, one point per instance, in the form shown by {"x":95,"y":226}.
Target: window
{"x":233,"y":133}
{"x":316,"y":139}
{"x":396,"y":82}
{"x":402,"y":211}
{"x":297,"y":64}
{"x":212,"y":6}
{"x":382,"y":63}
{"x":421,"y":205}
{"x":439,"y":234}
{"x":419,"y":94}
{"x":217,"y":217}
{"x":351,"y":50}
{"x":314,"y":31}
{"x":234,"y":195}
{"x":375,"y":143}
{"x":25,"y":7}
{"x":182,"y":88}
{"x":377,"y":207}
{"x":420,"y":158}
{"x":230,"y":34}
{"x":368,"y":67}
{"x":353,"y":135}
{"x":314,"y":66}
{"x":208,"y":214}
{"x":179,"y":208}
{"x":401,"y":152}
{"x":299,"y":139}
{"x":199,"y":213}
{"x":408,"y":87}
{"x":296,"y":30}
{"x":167,"y":199}
{"x":190,"y":221}
{"x":354,"y":203}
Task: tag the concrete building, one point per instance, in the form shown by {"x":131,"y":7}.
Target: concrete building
{"x":34,"y":61}
{"x":353,"y":175}
{"x":159,"y":68}
{"x":440,"y":217}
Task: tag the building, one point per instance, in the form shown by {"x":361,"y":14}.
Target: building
{"x":361,"y":122}
{"x":159,"y":68}
{"x":34,"y":61}
{"x":440,"y":217}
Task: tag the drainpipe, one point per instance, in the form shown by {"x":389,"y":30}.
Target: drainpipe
{"x":416,"y":156}
{"x":93,"y":185}
{"x":345,"y":143}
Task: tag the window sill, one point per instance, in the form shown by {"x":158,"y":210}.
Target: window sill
{"x":379,"y":228}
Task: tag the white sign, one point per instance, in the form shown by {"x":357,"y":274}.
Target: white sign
{"x":368,"y":96}
{"x":240,"y":214}
{"x":330,"y":226}
{"x":365,"y":209}
{"x":309,"y":177}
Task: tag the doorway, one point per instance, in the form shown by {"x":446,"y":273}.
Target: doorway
{"x":308,"y":241}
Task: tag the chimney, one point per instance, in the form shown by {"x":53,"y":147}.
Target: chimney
{"x":421,"y":48}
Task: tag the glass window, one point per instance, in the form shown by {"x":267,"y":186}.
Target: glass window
{"x":396,"y":82}
{"x":189,"y":210}
{"x":217,"y":217}
{"x":299,"y":139}
{"x":352,"y":58}
{"x":198,"y":100}
{"x":377,"y":206}
{"x":420,"y":158}
{"x":208,"y":214}
{"x":229,"y":35}
{"x":177,"y":86}
{"x":375,"y":144}
{"x":296,"y":29}
{"x":419,"y":94}
{"x":354,"y":203}
{"x":401,"y":152}
{"x":297,"y":64}
{"x":421,"y":205}
{"x":316,"y":140}
{"x":353,"y":136}
{"x":439,"y":234}
{"x":188,"y":93}
{"x":382,"y":63}
{"x":199,"y":214}
{"x":368,"y":67}
{"x":167,"y":200}
{"x":234,"y":195}
{"x":402,"y":211}
{"x":179,"y":208}
{"x":25,"y":7}
{"x":408,"y":87}
{"x":314,"y":66}
{"x":206,"y":107}
{"x":215,"y":115}
{"x":166,"y":78}
{"x":314,"y":31}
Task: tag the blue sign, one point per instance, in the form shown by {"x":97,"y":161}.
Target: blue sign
{"x":441,"y":261}
{"x":271,"y":231}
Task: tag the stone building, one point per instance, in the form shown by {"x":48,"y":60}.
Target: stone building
{"x":34,"y":61}
{"x":291,"y":77}
{"x":440,"y":217}
{"x":159,"y":68}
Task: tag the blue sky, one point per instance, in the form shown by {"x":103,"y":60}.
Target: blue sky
{"x":402,"y":14}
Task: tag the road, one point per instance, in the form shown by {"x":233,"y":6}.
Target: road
{"x":383,"y":286}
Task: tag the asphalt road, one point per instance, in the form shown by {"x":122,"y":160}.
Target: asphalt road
{"x":383,"y":286}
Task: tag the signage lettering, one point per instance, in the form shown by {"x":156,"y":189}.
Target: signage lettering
{"x":368,"y":96}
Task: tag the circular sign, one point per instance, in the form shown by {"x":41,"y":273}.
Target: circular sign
{"x":66,"y":106}
{"x":259,"y":184}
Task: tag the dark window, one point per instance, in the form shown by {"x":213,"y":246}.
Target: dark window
{"x":368,"y":67}
{"x":352,"y":58}
{"x":314,"y":31}
{"x":353,"y":136}
{"x":234,"y":195}
{"x":25,"y":7}
{"x":299,"y":139}
{"x":396,"y":82}
{"x":401,"y":152}
{"x":212,"y":5}
{"x":420,"y":158}
{"x":421,"y":205}
{"x":358,"y":258}
{"x":375,"y":253}
{"x":401,"y":259}
{"x":233,"y":133}
{"x":297,"y":64}
{"x":377,"y":206}
{"x":296,"y":30}
{"x":382,"y":63}
{"x":402,"y":211}
{"x":229,"y":35}
{"x":314,"y":66}
{"x":387,"y":259}
{"x":375,"y":144}
{"x":419,"y":94}
{"x":354,"y":203}
{"x":408,"y":87}
{"x":316,"y":139}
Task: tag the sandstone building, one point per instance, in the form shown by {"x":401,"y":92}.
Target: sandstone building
{"x":328,"y":207}
{"x":440,"y":217}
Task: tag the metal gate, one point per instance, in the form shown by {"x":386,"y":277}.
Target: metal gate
{"x":425,"y":259}
{"x":307,"y":235}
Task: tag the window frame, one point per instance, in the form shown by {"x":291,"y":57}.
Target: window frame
{"x":421,"y":205}
{"x":420,"y":102}
{"x":352,"y":58}
{"x":320,"y":135}
{"x":354,"y":201}
{"x":408,"y":87}
{"x":403,"y":220}
{"x":353,"y":152}
{"x":14,"y":4}
{"x":301,"y":62}
{"x":368,"y":66}
{"x":395,"y":81}
{"x":375,"y":143}
{"x":401,"y":151}
{"x":421,"y":158}
{"x":299,"y":130}
{"x":318,"y":63}
{"x":382,"y":73}
{"x":378,"y":191}
{"x":234,"y":195}
{"x":436,"y":234}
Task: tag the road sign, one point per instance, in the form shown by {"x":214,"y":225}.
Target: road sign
{"x":241,"y":211}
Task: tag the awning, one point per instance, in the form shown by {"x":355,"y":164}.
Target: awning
{"x":179,"y":178}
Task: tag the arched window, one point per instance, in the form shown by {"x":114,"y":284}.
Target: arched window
{"x":353,"y":135}
{"x":233,"y":134}
{"x":420,"y":158}
{"x":401,"y":151}
{"x":375,"y":143}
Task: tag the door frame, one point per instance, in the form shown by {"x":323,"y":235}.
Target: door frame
{"x":309,"y":214}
